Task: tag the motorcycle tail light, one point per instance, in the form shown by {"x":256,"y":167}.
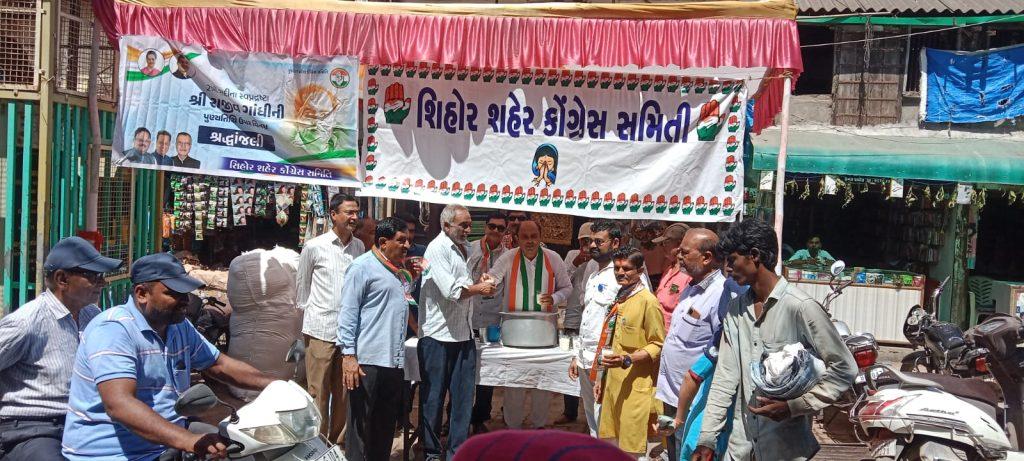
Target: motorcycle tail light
{"x":981,"y":365}
{"x":877,"y":409}
{"x":865,"y":357}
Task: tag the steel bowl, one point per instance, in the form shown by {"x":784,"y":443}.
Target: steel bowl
{"x":529,"y":330}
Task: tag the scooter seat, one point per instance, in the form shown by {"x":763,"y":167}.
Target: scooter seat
{"x":968,"y":388}
{"x":910,"y":381}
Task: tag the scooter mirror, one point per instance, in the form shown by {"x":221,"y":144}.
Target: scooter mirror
{"x":195,"y":401}
{"x":295,"y":353}
{"x":837,"y":268}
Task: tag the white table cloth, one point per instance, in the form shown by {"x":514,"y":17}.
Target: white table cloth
{"x":546,"y":369}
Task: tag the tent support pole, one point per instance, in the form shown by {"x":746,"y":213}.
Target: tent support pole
{"x":780,"y":172}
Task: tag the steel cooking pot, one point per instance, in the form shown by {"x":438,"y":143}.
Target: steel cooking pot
{"x":529,"y":329}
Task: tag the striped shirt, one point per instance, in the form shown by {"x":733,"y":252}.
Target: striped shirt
{"x":320,"y":276}
{"x":485,"y":309}
{"x":37,"y":347}
{"x":443,"y":316}
{"x":119,"y":343}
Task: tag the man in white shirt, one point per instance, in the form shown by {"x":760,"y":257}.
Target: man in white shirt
{"x":446,"y":351}
{"x":483,"y":254}
{"x":579,"y":267}
{"x":320,"y":276}
{"x":533,"y":279}
{"x":599,"y":294}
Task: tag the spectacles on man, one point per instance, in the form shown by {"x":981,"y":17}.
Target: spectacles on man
{"x":496,"y":227}
{"x":91,"y":276}
{"x":517,"y":218}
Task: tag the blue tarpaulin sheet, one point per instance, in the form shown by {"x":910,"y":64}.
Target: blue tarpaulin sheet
{"x":971,"y":87}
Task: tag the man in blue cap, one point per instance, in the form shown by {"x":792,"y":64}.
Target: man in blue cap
{"x":37,"y":347}
{"x":134,"y":362}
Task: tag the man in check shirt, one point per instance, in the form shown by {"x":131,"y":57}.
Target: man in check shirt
{"x":37,"y":350}
{"x":695,"y":319}
{"x":446,"y":350}
{"x":598,"y":297}
{"x":319,"y":281}
{"x":533,"y":279}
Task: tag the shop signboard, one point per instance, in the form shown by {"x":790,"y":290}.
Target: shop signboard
{"x":559,"y":141}
{"x":253,"y":115}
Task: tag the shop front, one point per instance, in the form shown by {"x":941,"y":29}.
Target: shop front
{"x":899,"y":213}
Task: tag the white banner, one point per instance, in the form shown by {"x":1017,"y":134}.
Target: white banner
{"x":252,"y":115}
{"x":574,"y":142}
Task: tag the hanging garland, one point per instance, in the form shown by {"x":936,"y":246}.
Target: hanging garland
{"x":909,"y":198}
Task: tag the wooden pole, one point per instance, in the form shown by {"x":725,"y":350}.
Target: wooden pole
{"x":780,"y":169}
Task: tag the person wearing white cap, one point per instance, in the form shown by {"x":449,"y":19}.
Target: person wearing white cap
{"x":37,"y":347}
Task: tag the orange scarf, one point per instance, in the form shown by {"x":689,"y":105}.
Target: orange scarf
{"x":608,"y":330}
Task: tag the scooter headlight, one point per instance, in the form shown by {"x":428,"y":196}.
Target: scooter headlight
{"x":296,"y":426}
{"x":304,"y":423}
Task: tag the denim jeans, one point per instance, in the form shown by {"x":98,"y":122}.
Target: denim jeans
{"x":446,"y":367}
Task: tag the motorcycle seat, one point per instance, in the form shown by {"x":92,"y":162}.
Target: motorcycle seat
{"x":967,"y":388}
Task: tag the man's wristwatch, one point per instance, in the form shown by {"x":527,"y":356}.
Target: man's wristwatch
{"x":627,"y":361}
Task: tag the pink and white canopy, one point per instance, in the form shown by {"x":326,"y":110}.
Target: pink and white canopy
{"x":751,"y":39}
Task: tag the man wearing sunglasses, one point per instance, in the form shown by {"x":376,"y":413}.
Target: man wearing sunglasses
{"x":37,"y":350}
{"x":483,"y":254}
{"x":511,"y":238}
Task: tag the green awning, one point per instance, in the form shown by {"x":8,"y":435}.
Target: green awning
{"x":993,"y":161}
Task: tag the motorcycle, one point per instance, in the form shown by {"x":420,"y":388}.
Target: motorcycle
{"x":862,"y":346}
{"x":281,"y":424}
{"x":211,"y":318}
{"x":944,"y":348}
{"x":835,"y":419}
{"x":1000,"y":335}
{"x":916,"y":416}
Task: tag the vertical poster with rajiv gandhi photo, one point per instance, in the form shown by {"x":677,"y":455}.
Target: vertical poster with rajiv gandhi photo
{"x":253,"y":115}
{"x":596,"y":144}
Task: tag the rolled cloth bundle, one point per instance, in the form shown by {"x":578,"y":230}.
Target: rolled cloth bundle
{"x":787,"y":374}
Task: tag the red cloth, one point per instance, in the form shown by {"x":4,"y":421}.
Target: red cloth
{"x":667,"y":297}
{"x":478,"y":41}
{"x":536,"y":445}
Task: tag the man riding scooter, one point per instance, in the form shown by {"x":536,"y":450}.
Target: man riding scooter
{"x":133,"y":362}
